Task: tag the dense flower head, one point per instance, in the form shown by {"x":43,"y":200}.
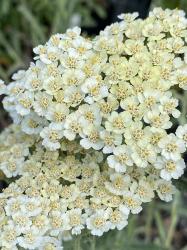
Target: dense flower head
{"x":91,"y":138}
{"x":58,"y":194}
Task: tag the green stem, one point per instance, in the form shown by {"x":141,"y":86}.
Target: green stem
{"x":160,"y":227}
{"x":131,"y":227}
{"x":174,"y":219}
{"x":77,"y":243}
{"x":93,"y":243}
{"x":118,"y":239}
{"x":149,"y":219}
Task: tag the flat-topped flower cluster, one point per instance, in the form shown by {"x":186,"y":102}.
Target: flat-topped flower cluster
{"x":92,"y":140}
{"x":58,"y":194}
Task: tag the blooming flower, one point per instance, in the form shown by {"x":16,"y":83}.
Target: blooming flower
{"x":98,"y":223}
{"x":32,"y":124}
{"x":171,"y":147}
{"x":131,"y":203}
{"x":120,"y":159}
{"x":90,"y":141}
{"x":51,"y":136}
{"x":165,"y":190}
{"x":117,"y":122}
{"x":91,"y":138}
{"x":25,"y":102}
{"x":170,"y":169}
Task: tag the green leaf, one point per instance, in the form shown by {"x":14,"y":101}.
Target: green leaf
{"x":36,"y":27}
{"x":4,"y":7}
{"x":8,"y":46}
{"x":171,"y":4}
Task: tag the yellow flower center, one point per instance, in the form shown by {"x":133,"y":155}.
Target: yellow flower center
{"x":170,"y":166}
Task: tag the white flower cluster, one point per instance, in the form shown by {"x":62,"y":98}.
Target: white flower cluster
{"x":92,"y":140}
{"x":58,"y":194}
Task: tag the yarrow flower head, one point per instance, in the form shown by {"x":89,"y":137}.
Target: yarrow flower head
{"x":90,"y":141}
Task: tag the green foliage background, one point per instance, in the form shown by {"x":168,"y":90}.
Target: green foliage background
{"x":27,"y":23}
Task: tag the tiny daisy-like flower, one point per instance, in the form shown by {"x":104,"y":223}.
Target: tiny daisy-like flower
{"x":41,"y":103}
{"x":119,"y":184}
{"x":72,"y":126}
{"x":51,"y":136}
{"x":21,"y":222}
{"x":32,"y":124}
{"x":12,"y":166}
{"x":59,"y":222}
{"x":30,"y":240}
{"x":57,"y":113}
{"x":9,"y":236}
{"x":118,"y":219}
{"x":165,"y":190}
{"x":95,"y":89}
{"x":25,"y":103}
{"x":143,"y":155}
{"x":171,"y":147}
{"x":170,"y":169}
{"x":98,"y":223}
{"x":91,"y":140}
{"x":89,"y":115}
{"x":131,"y":204}
{"x":110,"y":141}
{"x":120,"y":159}
{"x":118,"y":121}
{"x":168,"y":105}
{"x":143,"y":190}
{"x":76,"y":220}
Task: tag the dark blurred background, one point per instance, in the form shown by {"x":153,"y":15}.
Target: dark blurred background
{"x":26,"y":23}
